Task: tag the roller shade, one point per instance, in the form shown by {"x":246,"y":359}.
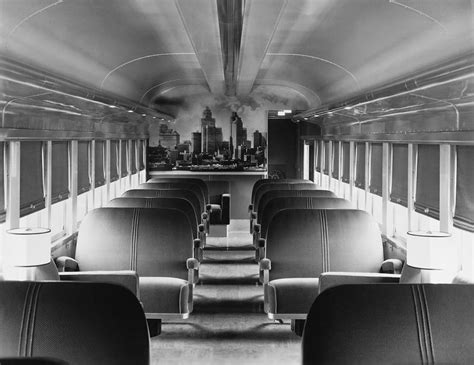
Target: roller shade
{"x":346,"y":162}
{"x":83,"y":176}
{"x":376,"y":168}
{"x":399,"y":189}
{"x":427,"y":181}
{"x":133,"y":157}
{"x":318,"y":156}
{"x":326,"y":158}
{"x":360,"y":165}
{"x":464,"y":212}
{"x":335,"y":159}
{"x":114,"y":175}
{"x":99,"y":163}
{"x":59,"y":172}
{"x":123,"y":157}
{"x":141,"y":160}
{"x":31,"y":177}
{"x":2,"y":183}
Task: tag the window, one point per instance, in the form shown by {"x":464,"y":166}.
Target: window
{"x":141,"y":163}
{"x":427,"y":181}
{"x":114,"y":175}
{"x":326,"y":158}
{"x":31,"y":177}
{"x":346,"y":162}
{"x":317,"y":156}
{"x":59,"y":172}
{"x":335,"y":157}
{"x":83,"y":177}
{"x":123,"y":157}
{"x":464,"y":212}
{"x":376,"y":168}
{"x":99,"y":163}
{"x":132,"y":157}
{"x":399,"y":189}
{"x":2,"y":183}
{"x":360,"y":165}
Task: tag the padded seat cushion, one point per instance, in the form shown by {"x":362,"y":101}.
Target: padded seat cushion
{"x":284,"y":292}
{"x":165,"y":295}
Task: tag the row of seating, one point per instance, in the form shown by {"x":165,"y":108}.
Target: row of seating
{"x":52,"y":323}
{"x":301,"y":234}
{"x":149,"y":240}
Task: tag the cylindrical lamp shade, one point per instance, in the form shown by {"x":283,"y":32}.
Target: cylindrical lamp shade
{"x":28,"y":247}
{"x":429,"y":250}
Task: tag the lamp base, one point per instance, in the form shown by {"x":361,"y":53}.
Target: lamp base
{"x":31,"y":273}
{"x":414,"y":275}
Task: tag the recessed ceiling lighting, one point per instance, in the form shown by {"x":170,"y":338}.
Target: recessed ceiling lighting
{"x":348,"y":108}
{"x":130,"y":111}
{"x":143,"y":115}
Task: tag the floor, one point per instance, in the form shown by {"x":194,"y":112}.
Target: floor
{"x":228,"y":325}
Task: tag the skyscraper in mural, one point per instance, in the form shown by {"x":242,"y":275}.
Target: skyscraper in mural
{"x":238,"y":134}
{"x":208,"y":132}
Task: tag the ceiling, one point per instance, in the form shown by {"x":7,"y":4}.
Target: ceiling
{"x":323,"y":50}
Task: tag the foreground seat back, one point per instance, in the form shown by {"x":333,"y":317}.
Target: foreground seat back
{"x":150,"y":241}
{"x":261,"y":182}
{"x":79,"y":323}
{"x":280,"y":186}
{"x":391,"y":324}
{"x":303,"y":243}
{"x":167,"y":203}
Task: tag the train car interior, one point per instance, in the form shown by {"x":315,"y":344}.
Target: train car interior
{"x":236,"y":182}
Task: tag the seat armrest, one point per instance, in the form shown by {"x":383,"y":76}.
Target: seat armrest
{"x":256,"y":228}
{"x":202,"y":235}
{"x":391,"y":266}
{"x":329,"y":279}
{"x":250,"y":208}
{"x":201,"y":228}
{"x":225,"y":208}
{"x":265,"y":267}
{"x":197,"y":251}
{"x":127,"y":278}
{"x":66,"y":264}
{"x":193,"y":270}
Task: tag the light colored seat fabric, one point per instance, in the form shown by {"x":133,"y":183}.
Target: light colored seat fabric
{"x":79,"y":323}
{"x":303,"y":243}
{"x":391,"y":324}
{"x":173,"y":293}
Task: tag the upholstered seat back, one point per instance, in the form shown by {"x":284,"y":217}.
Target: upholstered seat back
{"x":196,"y":189}
{"x":167,"y":203}
{"x":306,"y":242}
{"x":174,"y":193}
{"x":272,"y":194}
{"x":261,"y":182}
{"x":150,"y":241}
{"x":280,"y":186}
{"x":391,"y":324}
{"x":201,"y":183}
{"x":278,"y":204}
{"x":80,"y":323}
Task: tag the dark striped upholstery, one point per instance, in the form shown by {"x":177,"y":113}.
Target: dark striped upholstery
{"x":261,"y":182}
{"x":199,"y":182}
{"x":391,"y":324}
{"x":280,"y":186}
{"x":303,"y":243}
{"x":79,"y":323}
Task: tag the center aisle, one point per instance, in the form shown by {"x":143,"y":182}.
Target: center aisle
{"x":228,"y":325}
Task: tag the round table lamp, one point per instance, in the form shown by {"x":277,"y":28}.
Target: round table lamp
{"x":26,"y":251}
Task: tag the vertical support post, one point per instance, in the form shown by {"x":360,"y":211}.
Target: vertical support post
{"x":311,"y":160}
{"x":445,"y":189}
{"x":92,"y":165}
{"x":317,"y":178}
{"x":351,"y":171}
{"x":49,"y":181}
{"x":129,"y":162}
{"x":330,"y":157}
{"x":386,"y":169}
{"x":107,"y":169}
{"x":120,"y":162}
{"x":73,"y":184}
{"x":340,"y":167}
{"x":411,"y":185}
{"x":368,"y":151}
{"x":322,"y":162}
{"x":13,"y":185}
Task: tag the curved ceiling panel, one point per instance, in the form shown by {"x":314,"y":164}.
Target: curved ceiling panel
{"x":325,"y":50}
